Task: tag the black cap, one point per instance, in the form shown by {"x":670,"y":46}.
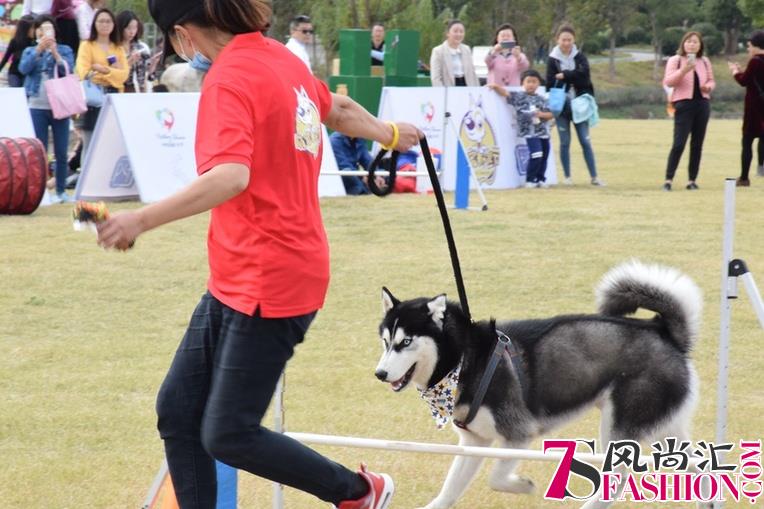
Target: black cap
{"x":167,"y":13}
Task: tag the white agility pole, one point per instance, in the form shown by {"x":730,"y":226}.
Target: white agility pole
{"x":732,"y":270}
{"x":380,"y":173}
{"x":278,"y":426}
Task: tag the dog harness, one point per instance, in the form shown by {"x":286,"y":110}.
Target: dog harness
{"x":504,"y":348}
{"x":441,"y":397}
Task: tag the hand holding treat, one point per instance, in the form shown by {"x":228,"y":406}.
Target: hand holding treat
{"x":113,"y":231}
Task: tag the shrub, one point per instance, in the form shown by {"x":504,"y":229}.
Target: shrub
{"x":672,"y":36}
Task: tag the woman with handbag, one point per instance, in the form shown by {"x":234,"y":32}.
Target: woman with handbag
{"x":38,"y":64}
{"x":451,"y":62}
{"x":753,"y":116}
{"x":138,"y":53}
{"x":569,"y":67}
{"x":102,"y":62}
{"x":691,"y":75}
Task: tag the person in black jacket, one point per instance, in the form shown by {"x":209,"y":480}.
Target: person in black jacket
{"x":567,"y":65}
{"x":22,"y":39}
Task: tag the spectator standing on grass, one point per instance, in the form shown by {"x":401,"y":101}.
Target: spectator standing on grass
{"x":300,"y":35}
{"x":753,"y":116}
{"x":138,"y":52}
{"x":533,"y":116}
{"x":22,"y":39}
{"x":102,"y":60}
{"x":692,"y":77}
{"x":378,"y":44}
{"x":258,"y":152}
{"x":506,"y":61}
{"x":568,"y":66}
{"x":451,"y":62}
{"x":38,"y":63}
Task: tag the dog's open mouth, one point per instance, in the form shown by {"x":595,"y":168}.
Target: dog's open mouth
{"x":402,"y":382}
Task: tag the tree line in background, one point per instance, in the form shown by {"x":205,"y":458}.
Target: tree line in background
{"x":601,"y":25}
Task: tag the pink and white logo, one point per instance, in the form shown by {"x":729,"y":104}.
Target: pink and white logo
{"x":166,"y":118}
{"x":428,"y":111}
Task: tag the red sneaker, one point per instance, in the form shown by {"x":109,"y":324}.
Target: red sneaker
{"x":381,"y":489}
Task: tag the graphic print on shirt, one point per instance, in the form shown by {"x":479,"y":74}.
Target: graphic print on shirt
{"x":479,"y":142}
{"x":307,"y":134}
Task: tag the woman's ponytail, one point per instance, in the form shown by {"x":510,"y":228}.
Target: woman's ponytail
{"x":239,"y":16}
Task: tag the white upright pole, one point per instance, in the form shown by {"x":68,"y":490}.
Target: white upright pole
{"x":728,"y":291}
{"x":278,"y":427}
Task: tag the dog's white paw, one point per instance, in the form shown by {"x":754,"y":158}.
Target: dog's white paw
{"x":435,"y":504}
{"x":513,"y":484}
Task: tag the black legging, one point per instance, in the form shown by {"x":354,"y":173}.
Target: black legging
{"x":691,"y":117}
{"x":747,"y":155}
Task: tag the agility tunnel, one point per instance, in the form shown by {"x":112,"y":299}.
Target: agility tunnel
{"x":23,"y":172}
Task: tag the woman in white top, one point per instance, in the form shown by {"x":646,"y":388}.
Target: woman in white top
{"x":451,"y":62}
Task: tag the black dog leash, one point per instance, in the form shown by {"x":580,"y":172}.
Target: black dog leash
{"x":372,"y":181}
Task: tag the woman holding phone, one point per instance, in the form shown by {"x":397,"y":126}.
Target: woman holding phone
{"x":506,"y":60}
{"x":692,"y":78}
{"x":752,"y":78}
{"x":101,"y":59}
{"x":38,"y":64}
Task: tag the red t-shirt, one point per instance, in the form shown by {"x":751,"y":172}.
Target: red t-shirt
{"x":261,"y":107}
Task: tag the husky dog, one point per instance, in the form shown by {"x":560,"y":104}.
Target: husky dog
{"x":637,"y":371}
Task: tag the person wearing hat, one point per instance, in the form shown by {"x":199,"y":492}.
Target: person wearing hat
{"x":258,"y":154}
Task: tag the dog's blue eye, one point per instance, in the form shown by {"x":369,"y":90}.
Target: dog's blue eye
{"x":406,"y":341}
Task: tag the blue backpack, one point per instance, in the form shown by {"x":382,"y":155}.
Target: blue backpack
{"x":556,"y":99}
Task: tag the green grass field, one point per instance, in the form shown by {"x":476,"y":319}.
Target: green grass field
{"x":88,"y":335}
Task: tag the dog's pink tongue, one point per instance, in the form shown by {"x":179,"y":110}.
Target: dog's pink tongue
{"x":397,"y":384}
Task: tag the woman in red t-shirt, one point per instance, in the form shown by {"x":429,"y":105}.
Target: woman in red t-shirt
{"x":258,"y":153}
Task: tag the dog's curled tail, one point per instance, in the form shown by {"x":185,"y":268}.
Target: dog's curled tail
{"x":664,"y":290}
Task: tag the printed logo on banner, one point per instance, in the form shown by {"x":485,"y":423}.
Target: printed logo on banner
{"x":122,"y":176}
{"x":166,"y":118}
{"x":307,"y":134}
{"x":479,"y":142}
{"x":680,"y":471}
{"x":428,"y":111}
{"x":522,"y":158}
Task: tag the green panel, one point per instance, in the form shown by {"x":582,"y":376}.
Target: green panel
{"x":401,"y":81}
{"x":365,"y":90}
{"x":355,"y":56}
{"x":423,"y":81}
{"x":401,"y":52}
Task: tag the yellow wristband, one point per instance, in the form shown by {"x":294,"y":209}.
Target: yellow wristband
{"x":396,"y":136}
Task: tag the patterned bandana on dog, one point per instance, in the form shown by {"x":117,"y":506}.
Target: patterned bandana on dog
{"x":441,"y":397}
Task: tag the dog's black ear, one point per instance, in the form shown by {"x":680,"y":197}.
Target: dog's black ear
{"x":388,"y":300}
{"x":437,"y":308}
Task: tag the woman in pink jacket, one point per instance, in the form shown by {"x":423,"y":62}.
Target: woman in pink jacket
{"x":506,"y":61}
{"x":692,"y":78}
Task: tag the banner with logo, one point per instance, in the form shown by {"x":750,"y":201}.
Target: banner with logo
{"x":143,"y":148}
{"x":480,"y":119}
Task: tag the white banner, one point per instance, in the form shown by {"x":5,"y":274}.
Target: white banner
{"x":15,"y":119}
{"x":482,"y":121}
{"x":143,"y":148}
